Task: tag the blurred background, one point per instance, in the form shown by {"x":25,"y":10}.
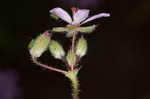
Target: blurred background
{"x":116,"y":65}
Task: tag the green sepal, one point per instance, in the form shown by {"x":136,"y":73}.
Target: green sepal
{"x":31,"y":43}
{"x":54,"y":16}
{"x":87,"y":29}
{"x":59,"y":29}
{"x":71,"y":30}
{"x":69,"y":58}
{"x":69,"y":33}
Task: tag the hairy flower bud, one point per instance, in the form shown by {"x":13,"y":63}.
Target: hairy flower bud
{"x":81,"y":47}
{"x":31,"y":43}
{"x":56,"y":49}
{"x":39,"y":45}
{"x":69,"y":58}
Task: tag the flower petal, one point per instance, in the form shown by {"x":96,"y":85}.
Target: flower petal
{"x":62,"y":14}
{"x":96,"y":17}
{"x":80,"y":16}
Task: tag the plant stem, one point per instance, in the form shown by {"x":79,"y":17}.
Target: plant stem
{"x":75,"y":89}
{"x":73,"y":43}
{"x":66,"y":62}
{"x":48,"y":67}
{"x":72,"y":75}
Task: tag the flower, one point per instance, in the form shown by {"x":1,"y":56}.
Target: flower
{"x":80,"y":16}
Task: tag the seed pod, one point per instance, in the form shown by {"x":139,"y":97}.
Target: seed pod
{"x":81,"y":47}
{"x":39,"y":45}
{"x":69,"y":58}
{"x":56,"y":49}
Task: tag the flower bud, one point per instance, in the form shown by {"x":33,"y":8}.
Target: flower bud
{"x":56,"y":49}
{"x":39,"y":45}
{"x":31,"y":43}
{"x":69,"y":58}
{"x":81,"y":47}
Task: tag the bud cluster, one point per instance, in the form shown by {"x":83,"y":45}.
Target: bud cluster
{"x":39,"y":45}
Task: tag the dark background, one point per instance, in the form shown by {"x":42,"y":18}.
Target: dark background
{"x":117,"y":63}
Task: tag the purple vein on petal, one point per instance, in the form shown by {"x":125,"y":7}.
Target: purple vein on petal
{"x":80,"y":16}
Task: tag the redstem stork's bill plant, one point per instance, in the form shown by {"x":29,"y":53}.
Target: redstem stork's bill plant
{"x":78,"y":48}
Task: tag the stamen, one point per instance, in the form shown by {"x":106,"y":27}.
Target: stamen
{"x":74,"y":9}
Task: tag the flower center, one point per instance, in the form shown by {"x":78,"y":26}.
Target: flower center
{"x":72,"y":27}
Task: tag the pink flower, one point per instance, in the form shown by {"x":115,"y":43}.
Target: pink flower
{"x":80,"y":16}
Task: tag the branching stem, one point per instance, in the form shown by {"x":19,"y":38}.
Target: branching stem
{"x":48,"y":67}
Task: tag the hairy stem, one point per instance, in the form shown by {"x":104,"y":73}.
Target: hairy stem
{"x":72,"y":75}
{"x":48,"y":67}
{"x":75,"y":89}
{"x":73,"y":43}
